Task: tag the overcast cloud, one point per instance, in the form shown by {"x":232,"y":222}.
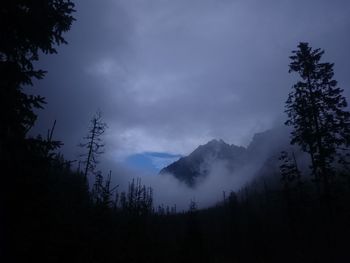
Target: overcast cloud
{"x":170,"y":75}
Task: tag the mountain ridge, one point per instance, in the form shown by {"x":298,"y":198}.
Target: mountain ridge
{"x":197,"y":165}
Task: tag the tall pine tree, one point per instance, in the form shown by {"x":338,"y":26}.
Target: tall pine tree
{"x":316,"y":109}
{"x":27,"y":28}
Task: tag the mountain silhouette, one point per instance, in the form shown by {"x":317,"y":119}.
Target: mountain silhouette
{"x":196,"y":166}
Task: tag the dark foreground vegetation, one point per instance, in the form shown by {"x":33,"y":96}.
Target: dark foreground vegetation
{"x":52,"y":217}
{"x":50,"y":214}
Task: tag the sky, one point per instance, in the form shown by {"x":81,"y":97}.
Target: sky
{"x":171,"y":75}
{"x":152,"y":162}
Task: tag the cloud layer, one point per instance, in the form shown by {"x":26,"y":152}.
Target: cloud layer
{"x":170,"y":75}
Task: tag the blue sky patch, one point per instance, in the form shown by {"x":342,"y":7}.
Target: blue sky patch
{"x":151,"y":161}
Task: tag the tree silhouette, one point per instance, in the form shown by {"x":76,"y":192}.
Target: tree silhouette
{"x":316,"y":110}
{"x":289,"y":168}
{"x":27,"y":27}
{"x":93,"y":143}
{"x":102,"y":192}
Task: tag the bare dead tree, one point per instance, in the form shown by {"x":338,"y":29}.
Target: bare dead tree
{"x":93,"y":144}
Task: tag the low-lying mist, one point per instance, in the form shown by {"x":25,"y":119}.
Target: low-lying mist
{"x":208,"y":189}
{"x":169,"y":191}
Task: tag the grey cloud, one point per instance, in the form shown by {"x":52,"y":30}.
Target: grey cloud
{"x":170,"y":75}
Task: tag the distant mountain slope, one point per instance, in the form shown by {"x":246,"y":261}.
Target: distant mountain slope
{"x":196,"y":166}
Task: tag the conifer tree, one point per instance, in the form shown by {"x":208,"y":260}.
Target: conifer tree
{"x":289,"y":168}
{"x":93,"y":144}
{"x":102,"y":191}
{"x":27,"y":28}
{"x":316,"y":110}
